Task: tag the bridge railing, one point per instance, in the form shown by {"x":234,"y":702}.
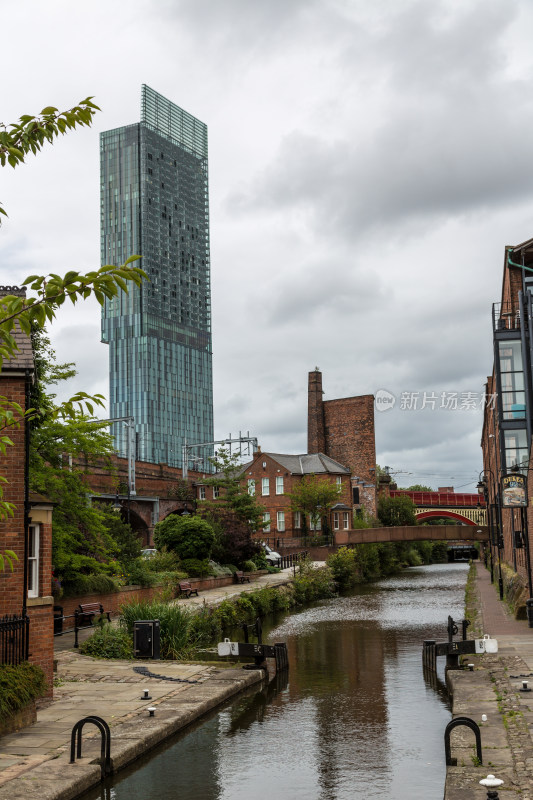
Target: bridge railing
{"x":443,"y":499}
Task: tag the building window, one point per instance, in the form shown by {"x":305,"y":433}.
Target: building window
{"x":297,"y":520}
{"x":512,"y":378}
{"x":335,"y":520}
{"x":33,"y":561}
{"x":251,"y":487}
{"x":355,"y":495}
{"x":317,"y":526}
{"x":201,"y":493}
{"x":346,"y":520}
{"x":266,"y":520}
{"x":516,"y":449}
{"x":279,"y":484}
{"x":216,"y":492}
{"x":281,"y":520}
{"x":265,"y":487}
{"x":339,"y":482}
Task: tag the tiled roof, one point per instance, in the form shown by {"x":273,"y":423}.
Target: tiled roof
{"x":309,"y":463}
{"x":23,"y":357}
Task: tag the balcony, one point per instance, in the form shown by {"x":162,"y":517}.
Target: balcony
{"x":505,"y":317}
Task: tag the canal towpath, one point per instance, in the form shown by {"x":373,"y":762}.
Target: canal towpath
{"x":493,"y":689}
{"x":34,"y":762}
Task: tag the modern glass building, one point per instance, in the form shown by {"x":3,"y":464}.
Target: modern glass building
{"x":155,"y":203}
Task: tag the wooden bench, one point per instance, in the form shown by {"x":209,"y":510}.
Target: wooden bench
{"x":240,"y":577}
{"x":186,"y":589}
{"x":88,"y":611}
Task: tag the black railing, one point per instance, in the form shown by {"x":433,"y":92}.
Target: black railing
{"x":14,"y":639}
{"x":292,"y":559}
{"x":505,"y":317}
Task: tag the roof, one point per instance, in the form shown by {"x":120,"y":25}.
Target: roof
{"x":309,"y":463}
{"x":23,"y":357}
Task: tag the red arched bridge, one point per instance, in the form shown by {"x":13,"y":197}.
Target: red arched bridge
{"x":463,"y":507}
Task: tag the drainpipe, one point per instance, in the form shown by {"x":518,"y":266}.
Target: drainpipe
{"x":26,"y":493}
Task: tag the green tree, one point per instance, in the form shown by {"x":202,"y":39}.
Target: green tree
{"x":393,"y":511}
{"x":234,"y":495}
{"x":417,"y":487}
{"x":188,"y":536}
{"x":30,"y":314}
{"x":314,"y":496}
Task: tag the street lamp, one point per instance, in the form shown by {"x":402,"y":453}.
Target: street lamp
{"x":116,"y":507}
{"x":495,"y":525}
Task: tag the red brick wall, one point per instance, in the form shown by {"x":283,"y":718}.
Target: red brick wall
{"x":12,"y":529}
{"x":12,"y":538}
{"x":316,"y":436}
{"x":350,"y":437}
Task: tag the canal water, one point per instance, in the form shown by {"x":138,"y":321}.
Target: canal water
{"x":355,"y":717}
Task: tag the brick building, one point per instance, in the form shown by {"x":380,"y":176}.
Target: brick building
{"x":343,"y":429}
{"x":508,"y":420}
{"x":28,"y":589}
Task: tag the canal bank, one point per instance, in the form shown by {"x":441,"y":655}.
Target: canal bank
{"x":493,"y":689}
{"x":34,"y":762}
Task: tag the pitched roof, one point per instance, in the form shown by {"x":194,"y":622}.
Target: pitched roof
{"x":23,"y":357}
{"x":309,"y":463}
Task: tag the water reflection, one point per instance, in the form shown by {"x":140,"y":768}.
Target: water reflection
{"x":356,"y":719}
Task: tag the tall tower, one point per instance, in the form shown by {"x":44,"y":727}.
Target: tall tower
{"x":155,"y":203}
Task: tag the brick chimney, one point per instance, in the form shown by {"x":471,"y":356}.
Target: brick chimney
{"x":316,"y":434}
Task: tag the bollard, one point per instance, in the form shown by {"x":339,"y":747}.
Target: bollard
{"x":490,"y":782}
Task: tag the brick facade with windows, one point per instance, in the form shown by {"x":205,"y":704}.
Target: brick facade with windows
{"x":272,"y":477}
{"x":14,"y":379}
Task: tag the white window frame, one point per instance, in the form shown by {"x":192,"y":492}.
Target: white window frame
{"x":266,"y":518}
{"x":279,"y":484}
{"x":251,"y":487}
{"x":201,"y":493}
{"x":216,"y":492}
{"x":317,"y":526}
{"x":346,"y":520}
{"x":33,"y":560}
{"x":336,"y":521}
{"x":297,"y":520}
{"x":280,"y":521}
{"x":265,"y":487}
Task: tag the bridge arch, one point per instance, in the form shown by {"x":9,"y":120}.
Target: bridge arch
{"x":439,"y":513}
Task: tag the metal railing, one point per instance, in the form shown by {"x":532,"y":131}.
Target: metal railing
{"x":77,"y":616}
{"x":14,"y":639}
{"x":505,"y":317}
{"x":292,"y":559}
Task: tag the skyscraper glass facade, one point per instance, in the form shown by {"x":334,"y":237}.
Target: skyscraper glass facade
{"x":155,"y":203}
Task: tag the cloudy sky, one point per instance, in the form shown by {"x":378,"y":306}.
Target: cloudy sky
{"x":368,"y":164}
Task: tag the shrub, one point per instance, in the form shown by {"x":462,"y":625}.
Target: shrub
{"x":189,"y":537}
{"x":312,"y":583}
{"x":204,"y":627}
{"x":163,"y":561}
{"x":19,"y":686}
{"x":108,"y":642}
{"x":174,"y":621}
{"x":139,"y":574}
{"x":249,"y":566}
{"x":439,"y":552}
{"x":244,"y":608}
{"x":218,"y":570}
{"x":227,"y":614}
{"x":89,"y":584}
{"x":345,"y":568}
{"x":196,"y":568}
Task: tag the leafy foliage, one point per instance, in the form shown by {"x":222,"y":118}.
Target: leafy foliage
{"x":188,"y":536}
{"x":7,"y":557}
{"x":19,"y":686}
{"x":177,"y":641}
{"x":393,"y":511}
{"x":31,"y":313}
{"x":108,"y":642}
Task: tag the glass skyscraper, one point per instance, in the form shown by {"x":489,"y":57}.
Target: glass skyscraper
{"x":155,"y":203}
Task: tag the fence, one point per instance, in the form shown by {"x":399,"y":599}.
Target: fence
{"x":14,"y":639}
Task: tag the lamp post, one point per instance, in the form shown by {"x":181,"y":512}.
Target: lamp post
{"x":494,"y":524}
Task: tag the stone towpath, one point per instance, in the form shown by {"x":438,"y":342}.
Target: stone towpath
{"x":34,"y":763}
{"x":493,"y":689}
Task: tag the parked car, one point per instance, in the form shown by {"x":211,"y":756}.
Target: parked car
{"x":271,"y":556}
{"x":148,"y":552}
